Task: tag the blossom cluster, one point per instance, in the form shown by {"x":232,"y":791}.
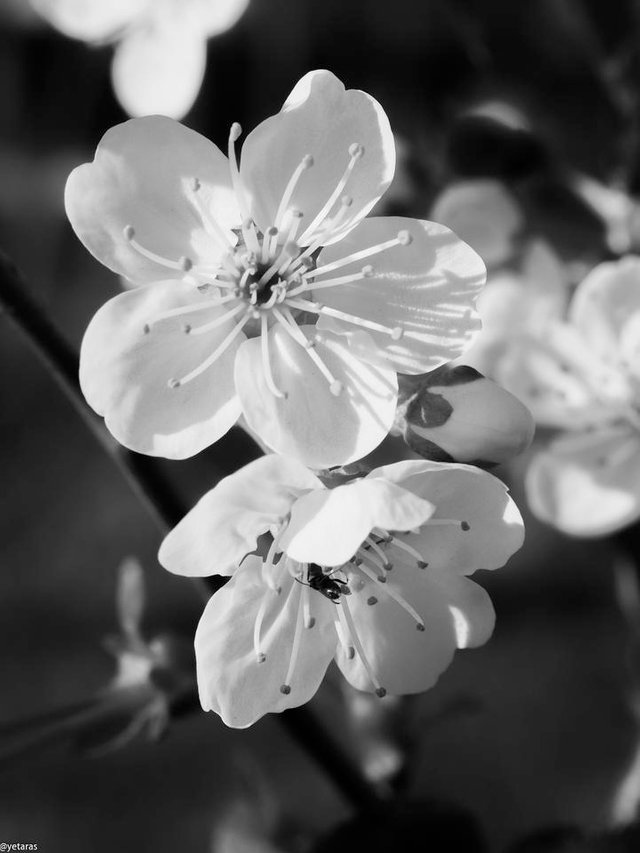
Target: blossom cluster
{"x":261,"y":291}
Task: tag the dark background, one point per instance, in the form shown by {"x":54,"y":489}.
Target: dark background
{"x":533,"y":730}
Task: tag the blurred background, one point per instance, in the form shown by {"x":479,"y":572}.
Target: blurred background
{"x":529,"y":109}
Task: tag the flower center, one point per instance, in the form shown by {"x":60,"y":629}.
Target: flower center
{"x":267,"y":278}
{"x":366,"y":570}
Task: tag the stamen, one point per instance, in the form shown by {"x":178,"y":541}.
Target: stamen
{"x":445,"y":522}
{"x":330,"y":226}
{"x":375,"y":546}
{"x":176,"y":383}
{"x":289,"y":251}
{"x":356,"y":151}
{"x":303,"y":165}
{"x":397,"y":597}
{"x":251,"y":237}
{"x":318,"y":308}
{"x":346,"y":618}
{"x":403,"y":239}
{"x":291,"y":327}
{"x":296,"y":219}
{"x":295,"y":648}
{"x":309,"y":620}
{"x":257,"y":628}
{"x":366,"y":272}
{"x":183,"y":265}
{"x":219,"y":321}
{"x":402,"y":546}
{"x":188,"y":309}
{"x":266,"y":362}
{"x":238,"y":187}
{"x":272,"y":234}
{"x":348,"y":649}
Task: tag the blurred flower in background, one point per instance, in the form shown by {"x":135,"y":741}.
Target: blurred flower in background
{"x":582,"y":376}
{"x":160,"y":45}
{"x":519,"y":300}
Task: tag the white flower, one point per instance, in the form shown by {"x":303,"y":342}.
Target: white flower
{"x":582,"y":376}
{"x":161,"y":45}
{"x":267,"y":291}
{"x":372,"y":573}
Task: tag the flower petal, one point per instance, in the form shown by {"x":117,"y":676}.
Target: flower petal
{"x":159,"y":69}
{"x":313,"y":424}
{"x":426,"y":289}
{"x":556,"y":376}
{"x":587,"y":484}
{"x":458,"y":414}
{"x":142,"y":176}
{"x":494,"y":529}
{"x":90,"y":20}
{"x":604,"y":303}
{"x":124,"y":373}
{"x":231,"y":680}
{"x":327,"y":527}
{"x":214,"y":18}
{"x":483,"y":214}
{"x":224,"y":525}
{"x":514,"y":304}
{"x":323,"y":120}
{"x":455,"y":613}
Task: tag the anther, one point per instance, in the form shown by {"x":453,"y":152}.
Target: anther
{"x":186,"y":328}
{"x":307,"y":161}
{"x":422,"y":564}
{"x":128,"y":232}
{"x":404,"y":238}
{"x":381,"y":692}
{"x":382,"y":579}
{"x":311,"y":621}
{"x":185,"y":264}
{"x":173,"y":383}
{"x":420,"y":626}
{"x":356,"y":150}
{"x":387,"y":567}
{"x":336,"y":388}
{"x":235,"y":132}
{"x":372,"y":600}
{"x":285,"y":688}
{"x":464,"y":525}
{"x":351,"y":653}
{"x":367,"y":271}
{"x":396,"y":333}
{"x":261,"y":657}
{"x":146,"y":328}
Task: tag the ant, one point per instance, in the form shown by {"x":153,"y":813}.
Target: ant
{"x":331,"y":588}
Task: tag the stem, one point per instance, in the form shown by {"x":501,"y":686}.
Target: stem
{"x":166,"y":509}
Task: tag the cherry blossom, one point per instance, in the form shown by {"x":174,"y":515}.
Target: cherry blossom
{"x":262,"y":288}
{"x":372,"y":573}
{"x":581,"y":376}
